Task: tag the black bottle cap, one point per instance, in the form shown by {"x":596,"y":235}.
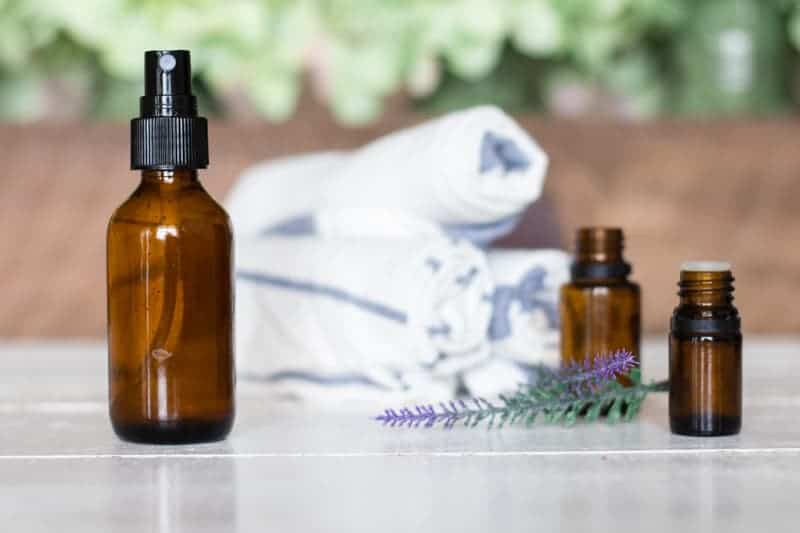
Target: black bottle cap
{"x":168,"y":133}
{"x":598,"y":254}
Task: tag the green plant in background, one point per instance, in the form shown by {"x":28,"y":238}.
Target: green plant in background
{"x":524,"y":54}
{"x":731,"y":56}
{"x":575,"y":47}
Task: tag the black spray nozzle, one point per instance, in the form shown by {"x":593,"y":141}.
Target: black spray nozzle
{"x":168,"y":134}
{"x":167,"y":85}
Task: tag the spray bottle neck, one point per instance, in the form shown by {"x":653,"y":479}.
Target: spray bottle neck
{"x":170,"y":180}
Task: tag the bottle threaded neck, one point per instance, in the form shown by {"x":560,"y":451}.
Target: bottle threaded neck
{"x":706,"y":301}
{"x":706,"y":284}
{"x":598,"y":254}
{"x":600,"y":245}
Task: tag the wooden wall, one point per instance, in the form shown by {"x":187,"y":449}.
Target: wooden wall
{"x":681,"y":190}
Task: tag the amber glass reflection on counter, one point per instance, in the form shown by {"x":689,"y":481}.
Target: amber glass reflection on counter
{"x":705,"y":354}
{"x":170,"y":313}
{"x":600,"y":307}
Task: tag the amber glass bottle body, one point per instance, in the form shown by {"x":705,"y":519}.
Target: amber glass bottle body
{"x":600,"y":307}
{"x":705,"y":355}
{"x":170,"y":313}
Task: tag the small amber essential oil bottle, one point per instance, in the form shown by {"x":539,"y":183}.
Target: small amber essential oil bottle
{"x":705,"y":353}
{"x":600,"y":307}
{"x":170,"y":287}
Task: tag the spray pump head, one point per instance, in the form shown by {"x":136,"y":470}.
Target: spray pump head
{"x":167,"y":85}
{"x":168,"y":134}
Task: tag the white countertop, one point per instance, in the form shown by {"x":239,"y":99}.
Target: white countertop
{"x":62,"y":469}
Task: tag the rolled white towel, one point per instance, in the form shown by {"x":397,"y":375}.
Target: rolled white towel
{"x":280,"y":190}
{"x":317,"y":314}
{"x":472,"y":172}
{"x":525,"y":321}
{"x":524,"y":330}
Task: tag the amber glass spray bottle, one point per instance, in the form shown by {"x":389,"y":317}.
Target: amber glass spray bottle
{"x":170,"y":296}
{"x":600,"y":307}
{"x":705,"y":353}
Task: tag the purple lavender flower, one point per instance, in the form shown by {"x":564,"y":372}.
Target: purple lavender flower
{"x":448,"y":413}
{"x":598,"y":370}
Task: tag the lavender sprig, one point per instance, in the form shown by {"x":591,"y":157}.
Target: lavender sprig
{"x":558,"y":396}
{"x":447,"y":413}
{"x":598,"y":370}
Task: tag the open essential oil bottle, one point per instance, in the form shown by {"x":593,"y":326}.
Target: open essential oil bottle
{"x":600,"y":307}
{"x":705,"y":353}
{"x":170,"y":287}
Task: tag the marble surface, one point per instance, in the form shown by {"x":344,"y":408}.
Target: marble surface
{"x":61,"y":467}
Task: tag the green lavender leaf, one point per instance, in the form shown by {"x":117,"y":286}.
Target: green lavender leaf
{"x":594,"y":411}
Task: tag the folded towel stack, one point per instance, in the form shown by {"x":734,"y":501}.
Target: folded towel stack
{"x":361,"y":273}
{"x":325,"y":312}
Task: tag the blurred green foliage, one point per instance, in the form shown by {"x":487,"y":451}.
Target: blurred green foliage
{"x":355,"y":53}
